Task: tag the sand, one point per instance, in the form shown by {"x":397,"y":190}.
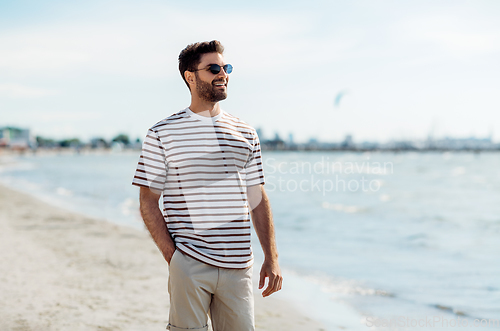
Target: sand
{"x":65,"y":271}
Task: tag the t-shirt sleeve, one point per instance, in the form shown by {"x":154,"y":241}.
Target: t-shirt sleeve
{"x":151,"y":170}
{"x":254,"y":169}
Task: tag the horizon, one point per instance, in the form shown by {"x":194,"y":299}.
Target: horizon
{"x":266,"y":138}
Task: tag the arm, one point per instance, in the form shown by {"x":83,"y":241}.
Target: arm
{"x":155,"y":223}
{"x":264,"y":226}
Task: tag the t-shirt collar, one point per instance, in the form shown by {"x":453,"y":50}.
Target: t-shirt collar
{"x":204,"y":118}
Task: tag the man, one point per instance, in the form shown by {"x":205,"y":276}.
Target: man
{"x":207,"y":164}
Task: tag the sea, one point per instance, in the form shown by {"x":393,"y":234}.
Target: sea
{"x":367,"y":241}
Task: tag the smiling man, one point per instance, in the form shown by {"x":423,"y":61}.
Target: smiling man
{"x":207,"y":165}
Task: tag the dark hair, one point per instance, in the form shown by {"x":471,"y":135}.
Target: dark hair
{"x":189,"y":58}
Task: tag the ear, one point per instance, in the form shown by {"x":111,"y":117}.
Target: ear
{"x":189,"y":77}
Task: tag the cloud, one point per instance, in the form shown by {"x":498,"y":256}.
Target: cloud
{"x":69,"y":49}
{"x":56,"y":116}
{"x":455,"y":34}
{"x":147,"y":45}
{"x":22,"y":91}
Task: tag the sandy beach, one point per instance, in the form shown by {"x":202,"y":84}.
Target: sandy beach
{"x":65,"y":271}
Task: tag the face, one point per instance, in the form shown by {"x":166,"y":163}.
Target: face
{"x":211,"y":87}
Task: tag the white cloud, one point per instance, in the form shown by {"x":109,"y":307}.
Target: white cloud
{"x":22,"y":91}
{"x":455,"y":34}
{"x":149,"y":46}
{"x":57,"y":116}
{"x":37,"y":50}
{"x":78,"y":47}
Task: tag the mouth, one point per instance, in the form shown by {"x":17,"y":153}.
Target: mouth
{"x":220,"y":84}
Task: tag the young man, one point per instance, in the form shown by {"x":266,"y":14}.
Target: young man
{"x":207,"y":164}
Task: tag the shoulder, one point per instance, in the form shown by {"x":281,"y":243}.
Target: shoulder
{"x":176,"y":118}
{"x":238,"y":123}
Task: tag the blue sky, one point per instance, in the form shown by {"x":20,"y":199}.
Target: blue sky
{"x":407,"y":69}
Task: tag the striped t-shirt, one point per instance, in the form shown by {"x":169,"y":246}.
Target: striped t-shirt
{"x":203,"y":166}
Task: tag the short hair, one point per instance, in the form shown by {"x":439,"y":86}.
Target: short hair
{"x":189,"y":58}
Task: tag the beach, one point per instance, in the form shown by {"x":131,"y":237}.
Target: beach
{"x":65,"y":271}
{"x":75,"y":254}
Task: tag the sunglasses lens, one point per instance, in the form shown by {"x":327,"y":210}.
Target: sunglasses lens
{"x":215,"y":68}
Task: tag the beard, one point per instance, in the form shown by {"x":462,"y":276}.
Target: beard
{"x":208,"y":91}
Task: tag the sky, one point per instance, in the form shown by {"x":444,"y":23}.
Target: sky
{"x":377,"y":70}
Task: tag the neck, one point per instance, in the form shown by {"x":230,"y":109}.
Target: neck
{"x":204,"y":108}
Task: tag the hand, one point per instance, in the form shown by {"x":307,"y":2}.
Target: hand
{"x":271,"y":270}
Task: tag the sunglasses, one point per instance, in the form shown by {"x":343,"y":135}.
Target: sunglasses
{"x":215,"y":68}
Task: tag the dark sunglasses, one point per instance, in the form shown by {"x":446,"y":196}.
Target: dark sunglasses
{"x":215,"y":68}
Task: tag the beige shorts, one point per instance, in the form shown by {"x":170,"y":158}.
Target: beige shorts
{"x":197,"y":289}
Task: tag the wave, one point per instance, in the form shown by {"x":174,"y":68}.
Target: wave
{"x":64,"y":192}
{"x":130,"y":207}
{"x":338,"y":285}
{"x":343,"y":208}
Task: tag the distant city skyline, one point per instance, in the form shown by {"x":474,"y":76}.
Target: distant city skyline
{"x":374,"y":70}
{"x":15,"y":138}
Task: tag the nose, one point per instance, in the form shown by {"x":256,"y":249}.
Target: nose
{"x":222,"y":74}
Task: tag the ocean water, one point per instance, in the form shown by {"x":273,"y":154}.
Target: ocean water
{"x":366,"y":240}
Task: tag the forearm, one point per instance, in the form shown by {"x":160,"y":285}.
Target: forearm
{"x":155,"y":223}
{"x":264,"y":227}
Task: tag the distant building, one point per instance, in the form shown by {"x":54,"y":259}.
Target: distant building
{"x":400,"y":145}
{"x":15,"y":138}
{"x":99,"y":143}
{"x":348,"y":142}
{"x":368,"y":145}
{"x":260,"y":134}
{"x":471,"y":143}
{"x":276,"y":144}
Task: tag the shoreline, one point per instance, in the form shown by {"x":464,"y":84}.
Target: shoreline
{"x":109,"y":151}
{"x":62,"y":270}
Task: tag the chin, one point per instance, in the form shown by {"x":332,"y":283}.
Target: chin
{"x":222,"y":97}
